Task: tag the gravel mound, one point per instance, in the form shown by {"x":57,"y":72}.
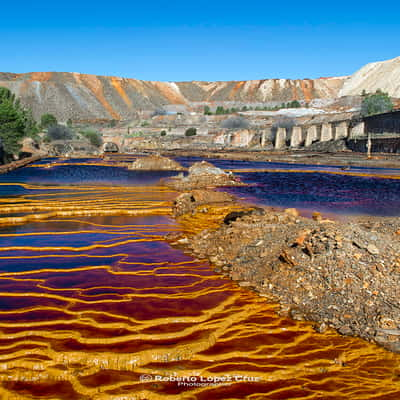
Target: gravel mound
{"x":341,"y":275}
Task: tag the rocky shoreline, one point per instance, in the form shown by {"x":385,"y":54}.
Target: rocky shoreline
{"x":341,"y":275}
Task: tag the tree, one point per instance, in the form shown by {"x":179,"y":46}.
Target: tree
{"x":163,"y":132}
{"x":377,"y":103}
{"x":5,"y":94}
{"x":31,"y":127}
{"x":113,"y":123}
{"x":48,"y":120}
{"x":220,"y":110}
{"x":207,"y":110}
{"x":12,"y":127}
{"x":15,"y":123}
{"x":294,"y":104}
{"x":191,"y":132}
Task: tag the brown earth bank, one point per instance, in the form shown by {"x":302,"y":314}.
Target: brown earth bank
{"x":18,"y":164}
{"x":341,"y":275}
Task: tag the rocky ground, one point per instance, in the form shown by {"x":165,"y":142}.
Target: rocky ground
{"x":340,"y":275}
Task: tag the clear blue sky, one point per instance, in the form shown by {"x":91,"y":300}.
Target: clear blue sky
{"x":195,"y":40}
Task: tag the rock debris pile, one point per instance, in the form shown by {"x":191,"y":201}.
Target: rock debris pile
{"x":203,"y":175}
{"x":341,"y":275}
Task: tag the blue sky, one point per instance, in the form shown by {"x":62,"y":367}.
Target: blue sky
{"x":180,"y":41}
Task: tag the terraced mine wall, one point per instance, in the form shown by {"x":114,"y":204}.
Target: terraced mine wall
{"x":91,"y":97}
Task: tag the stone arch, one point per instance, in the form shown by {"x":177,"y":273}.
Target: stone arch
{"x":110,"y":147}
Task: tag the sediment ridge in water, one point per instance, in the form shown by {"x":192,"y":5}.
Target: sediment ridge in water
{"x":100,"y":306}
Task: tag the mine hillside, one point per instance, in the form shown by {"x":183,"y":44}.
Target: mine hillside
{"x":100,"y":114}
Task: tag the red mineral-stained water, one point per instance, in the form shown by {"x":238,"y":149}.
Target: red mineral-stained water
{"x":96,"y":304}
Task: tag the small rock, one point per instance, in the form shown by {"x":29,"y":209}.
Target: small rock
{"x":372,"y":249}
{"x":321,"y":328}
{"x":316,"y":216}
{"x":296,"y":315}
{"x":345,"y":330}
{"x":292,"y":211}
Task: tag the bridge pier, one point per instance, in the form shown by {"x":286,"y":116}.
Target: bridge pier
{"x":311,"y":135}
{"x":280,"y":140}
{"x":297,"y":136}
{"x":326,"y":133}
{"x":341,"y":130}
{"x":357,"y":130}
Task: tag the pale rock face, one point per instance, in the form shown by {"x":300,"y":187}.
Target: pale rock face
{"x":384,"y":75}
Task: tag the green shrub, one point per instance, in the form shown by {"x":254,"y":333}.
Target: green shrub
{"x":191,"y":132}
{"x":135,"y":134}
{"x":163,"y":133}
{"x":94,"y":137}
{"x":207,"y":110}
{"x":294,"y":104}
{"x":48,"y":120}
{"x":377,"y":103}
{"x":15,"y":123}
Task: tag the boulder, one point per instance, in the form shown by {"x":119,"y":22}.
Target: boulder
{"x":203,"y":175}
{"x":205,"y":168}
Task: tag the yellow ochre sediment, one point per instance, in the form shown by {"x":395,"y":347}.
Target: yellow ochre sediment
{"x":92,"y":297}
